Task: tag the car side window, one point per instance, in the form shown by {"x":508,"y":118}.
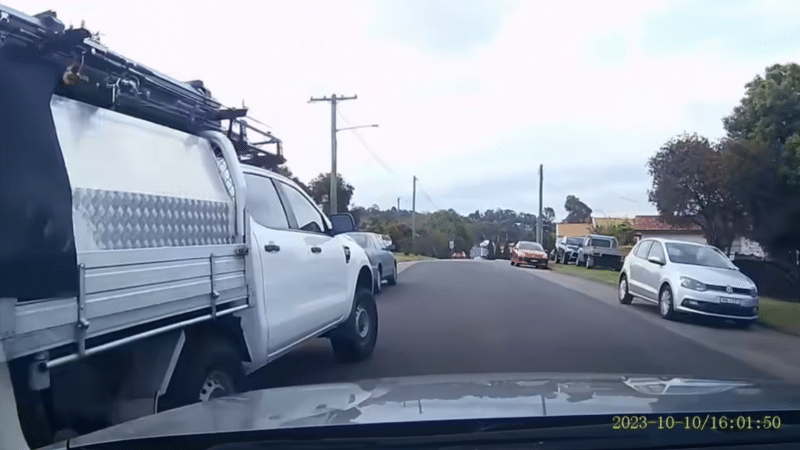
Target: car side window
{"x":643,"y":249}
{"x":307,"y":215}
{"x":657,"y":250}
{"x":263,"y":202}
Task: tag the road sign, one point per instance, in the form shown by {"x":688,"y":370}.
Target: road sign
{"x":452,"y":245}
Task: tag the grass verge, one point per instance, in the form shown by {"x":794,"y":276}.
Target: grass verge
{"x":602,"y":275}
{"x":779,"y":315}
{"x":400,"y":257}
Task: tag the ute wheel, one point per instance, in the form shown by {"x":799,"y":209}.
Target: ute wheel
{"x":354,"y":340}
{"x":204,"y":372}
{"x":624,"y":296}
{"x":666,"y":303}
{"x":393,"y":279}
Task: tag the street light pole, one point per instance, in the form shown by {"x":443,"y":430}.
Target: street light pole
{"x":334,"y":176}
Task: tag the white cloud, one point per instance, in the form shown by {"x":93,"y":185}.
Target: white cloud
{"x":572,"y":85}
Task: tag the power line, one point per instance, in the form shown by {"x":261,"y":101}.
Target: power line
{"x":427,"y":196}
{"x":367,"y":147}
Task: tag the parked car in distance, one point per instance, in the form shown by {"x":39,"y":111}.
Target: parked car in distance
{"x":384,"y":265}
{"x":599,"y":250}
{"x":566,"y":250}
{"x":684,"y":277}
{"x":459,"y":255}
{"x":526,"y":252}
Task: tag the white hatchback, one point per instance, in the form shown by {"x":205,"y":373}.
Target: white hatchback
{"x":684,"y":277}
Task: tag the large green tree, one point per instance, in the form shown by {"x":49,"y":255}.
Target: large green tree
{"x":320,"y":188}
{"x":691,"y":184}
{"x":764,"y":132}
{"x":578,"y":212}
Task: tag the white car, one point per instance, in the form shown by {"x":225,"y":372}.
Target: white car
{"x":684,"y":277}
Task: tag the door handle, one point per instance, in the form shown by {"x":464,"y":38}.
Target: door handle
{"x":272,"y":248}
{"x":316,"y":249}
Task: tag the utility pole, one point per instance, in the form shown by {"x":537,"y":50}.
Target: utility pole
{"x":414,"y":217}
{"x":334,"y":174}
{"x":398,"y":204}
{"x":539,"y":222}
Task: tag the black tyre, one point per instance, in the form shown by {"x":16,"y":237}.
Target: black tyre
{"x":624,"y":296}
{"x":392,"y":280}
{"x":666,"y":303}
{"x":205,"y":371}
{"x":379,"y":281}
{"x":354,"y":340}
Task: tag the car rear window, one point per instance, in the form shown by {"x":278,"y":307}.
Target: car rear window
{"x":605,"y":243}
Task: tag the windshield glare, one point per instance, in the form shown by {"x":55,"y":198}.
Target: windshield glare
{"x":698,"y":255}
{"x":575,"y":241}
{"x":530,"y":246}
{"x":361,"y":239}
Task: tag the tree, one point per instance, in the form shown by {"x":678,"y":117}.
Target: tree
{"x":320,"y":188}
{"x":624,"y":232}
{"x":578,"y":211}
{"x":285,"y":171}
{"x":691,"y":184}
{"x":769,"y":115}
{"x":549,"y":215}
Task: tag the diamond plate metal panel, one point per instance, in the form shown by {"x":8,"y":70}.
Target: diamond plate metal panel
{"x":123,"y":220}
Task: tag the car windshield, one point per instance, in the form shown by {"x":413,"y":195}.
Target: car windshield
{"x":530,"y":246}
{"x":698,"y":255}
{"x":322,"y":213}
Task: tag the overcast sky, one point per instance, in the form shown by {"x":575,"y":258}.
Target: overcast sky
{"x":470,"y":96}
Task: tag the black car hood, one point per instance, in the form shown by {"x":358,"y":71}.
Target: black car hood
{"x":445,"y":397}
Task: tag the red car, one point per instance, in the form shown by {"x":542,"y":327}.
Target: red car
{"x":526,"y":252}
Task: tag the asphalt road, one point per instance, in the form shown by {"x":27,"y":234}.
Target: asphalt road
{"x":449,"y":317}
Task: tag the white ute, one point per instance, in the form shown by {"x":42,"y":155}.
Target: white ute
{"x":145,"y":261}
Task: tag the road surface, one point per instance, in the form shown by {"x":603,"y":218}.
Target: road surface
{"x":448,"y":317}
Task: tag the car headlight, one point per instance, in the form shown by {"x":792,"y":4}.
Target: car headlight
{"x":754,"y":291}
{"x":692,"y":284}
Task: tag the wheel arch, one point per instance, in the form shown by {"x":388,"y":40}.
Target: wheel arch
{"x":365,"y":279}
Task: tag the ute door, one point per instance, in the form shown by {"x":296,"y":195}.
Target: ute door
{"x":325,"y":280}
{"x":281,"y":255}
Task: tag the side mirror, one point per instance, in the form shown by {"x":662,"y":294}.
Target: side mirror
{"x":343,"y":223}
{"x":656,"y":260}
{"x":390,"y":247}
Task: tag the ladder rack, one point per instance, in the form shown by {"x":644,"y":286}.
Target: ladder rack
{"x":96,"y":75}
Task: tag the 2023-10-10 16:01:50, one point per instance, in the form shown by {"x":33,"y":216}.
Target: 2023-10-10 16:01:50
{"x":698,"y":422}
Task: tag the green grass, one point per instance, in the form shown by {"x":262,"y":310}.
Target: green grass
{"x":779,"y":315}
{"x":400,"y":257}
{"x":597,"y":274}
{"x":776,"y":314}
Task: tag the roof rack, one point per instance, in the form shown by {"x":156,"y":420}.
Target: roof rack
{"x":96,"y":75}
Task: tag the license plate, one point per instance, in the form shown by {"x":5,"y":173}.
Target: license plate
{"x":730,"y":301}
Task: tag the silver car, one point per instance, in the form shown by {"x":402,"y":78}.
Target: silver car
{"x":684,"y":277}
{"x":384,"y":266}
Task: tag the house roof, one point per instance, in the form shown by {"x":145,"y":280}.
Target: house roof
{"x":654,"y":223}
{"x":572,"y":229}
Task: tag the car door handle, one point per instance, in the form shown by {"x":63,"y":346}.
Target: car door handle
{"x":316,"y":249}
{"x":272,"y":248}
